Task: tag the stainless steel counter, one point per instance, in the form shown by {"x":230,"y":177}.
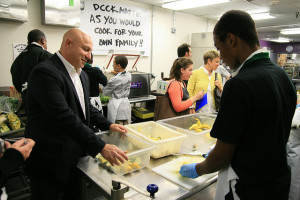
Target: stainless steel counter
{"x":139,"y":99}
{"x":142,"y":99}
{"x":140,"y":179}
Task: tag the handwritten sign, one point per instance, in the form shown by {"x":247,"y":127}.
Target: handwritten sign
{"x":116,"y":26}
{"x":18,"y":48}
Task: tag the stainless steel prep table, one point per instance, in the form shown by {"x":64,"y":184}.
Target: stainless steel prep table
{"x":139,"y":99}
{"x":140,"y":179}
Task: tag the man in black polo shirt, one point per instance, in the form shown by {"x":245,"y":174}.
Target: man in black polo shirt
{"x":96,"y":77}
{"x":254,"y":121}
{"x":34,"y":53}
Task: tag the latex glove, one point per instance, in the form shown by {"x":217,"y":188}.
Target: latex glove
{"x":189,"y":171}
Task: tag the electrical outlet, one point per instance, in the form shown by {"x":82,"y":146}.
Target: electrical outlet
{"x":173,"y":30}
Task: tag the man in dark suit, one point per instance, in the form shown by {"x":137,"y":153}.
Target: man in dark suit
{"x":34,"y":53}
{"x":59,"y":114}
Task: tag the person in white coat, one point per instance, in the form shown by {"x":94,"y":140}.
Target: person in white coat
{"x":224,"y":73}
{"x":118,"y":88}
{"x":293,"y":156}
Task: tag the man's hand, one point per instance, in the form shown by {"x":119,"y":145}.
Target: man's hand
{"x":24,"y":146}
{"x":113,"y":154}
{"x":189,"y":171}
{"x":118,"y":128}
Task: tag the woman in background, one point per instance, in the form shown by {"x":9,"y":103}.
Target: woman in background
{"x":181,"y":70}
{"x":203,"y":79}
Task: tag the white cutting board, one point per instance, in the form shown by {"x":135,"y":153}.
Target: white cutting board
{"x":170,"y":170}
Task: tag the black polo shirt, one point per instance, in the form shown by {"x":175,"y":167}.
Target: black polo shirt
{"x":256,"y":112}
{"x":96,"y":77}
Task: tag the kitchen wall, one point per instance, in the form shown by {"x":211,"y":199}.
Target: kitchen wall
{"x":164,"y":43}
{"x":281,"y":47}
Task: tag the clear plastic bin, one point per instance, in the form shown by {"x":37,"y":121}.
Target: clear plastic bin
{"x":200,"y":141}
{"x":166,"y":140}
{"x":138,"y":152}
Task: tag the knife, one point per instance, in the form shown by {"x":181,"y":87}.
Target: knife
{"x":190,"y":154}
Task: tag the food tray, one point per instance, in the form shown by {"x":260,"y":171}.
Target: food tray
{"x":200,"y":141}
{"x":138,"y":152}
{"x":14,"y":133}
{"x":166,"y":140}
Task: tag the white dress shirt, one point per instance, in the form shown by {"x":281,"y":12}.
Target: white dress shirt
{"x":240,"y":67}
{"x":74,"y":74}
{"x":209,"y":107}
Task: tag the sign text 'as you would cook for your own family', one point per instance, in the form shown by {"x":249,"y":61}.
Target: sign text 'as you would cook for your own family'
{"x":116,"y":26}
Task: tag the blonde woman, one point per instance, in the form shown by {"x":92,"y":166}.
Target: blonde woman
{"x":203,"y":79}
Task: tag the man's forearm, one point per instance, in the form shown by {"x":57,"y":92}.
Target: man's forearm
{"x":210,"y":165}
{"x":217,"y":159}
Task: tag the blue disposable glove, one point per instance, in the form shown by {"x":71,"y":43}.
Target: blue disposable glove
{"x":189,"y":171}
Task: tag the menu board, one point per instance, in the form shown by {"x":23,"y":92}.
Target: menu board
{"x":116,"y":26}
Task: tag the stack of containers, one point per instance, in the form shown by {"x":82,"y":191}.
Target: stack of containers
{"x":200,"y":141}
{"x":166,"y":140}
{"x":138,"y":151}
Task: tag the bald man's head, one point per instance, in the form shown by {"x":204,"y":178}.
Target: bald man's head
{"x":76,"y":47}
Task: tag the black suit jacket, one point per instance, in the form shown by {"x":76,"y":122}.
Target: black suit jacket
{"x":56,"y":122}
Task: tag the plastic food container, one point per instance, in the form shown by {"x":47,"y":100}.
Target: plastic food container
{"x":138,"y":152}
{"x":166,"y":140}
{"x":200,"y":141}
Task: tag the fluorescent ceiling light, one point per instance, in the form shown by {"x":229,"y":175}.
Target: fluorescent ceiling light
{"x":259,"y":16}
{"x":291,"y":31}
{"x":186,"y":4}
{"x":281,"y":40}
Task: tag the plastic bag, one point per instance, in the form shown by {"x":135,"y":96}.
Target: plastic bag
{"x":9,"y":104}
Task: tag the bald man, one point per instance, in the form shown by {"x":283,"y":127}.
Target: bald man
{"x":59,"y":114}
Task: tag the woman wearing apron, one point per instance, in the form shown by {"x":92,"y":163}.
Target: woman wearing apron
{"x":182,"y":70}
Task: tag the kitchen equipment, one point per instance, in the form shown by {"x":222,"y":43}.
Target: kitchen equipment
{"x":15,"y":10}
{"x":200,"y":141}
{"x":170,"y":171}
{"x":193,"y":153}
{"x":118,"y":192}
{"x":138,"y":152}
{"x":141,"y":113}
{"x":62,"y":13}
{"x":140,"y":81}
{"x":140,"y":84}
{"x":166,"y":140}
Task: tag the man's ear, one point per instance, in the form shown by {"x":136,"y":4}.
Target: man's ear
{"x":231,"y":40}
{"x":42,"y":41}
{"x":68,"y":43}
